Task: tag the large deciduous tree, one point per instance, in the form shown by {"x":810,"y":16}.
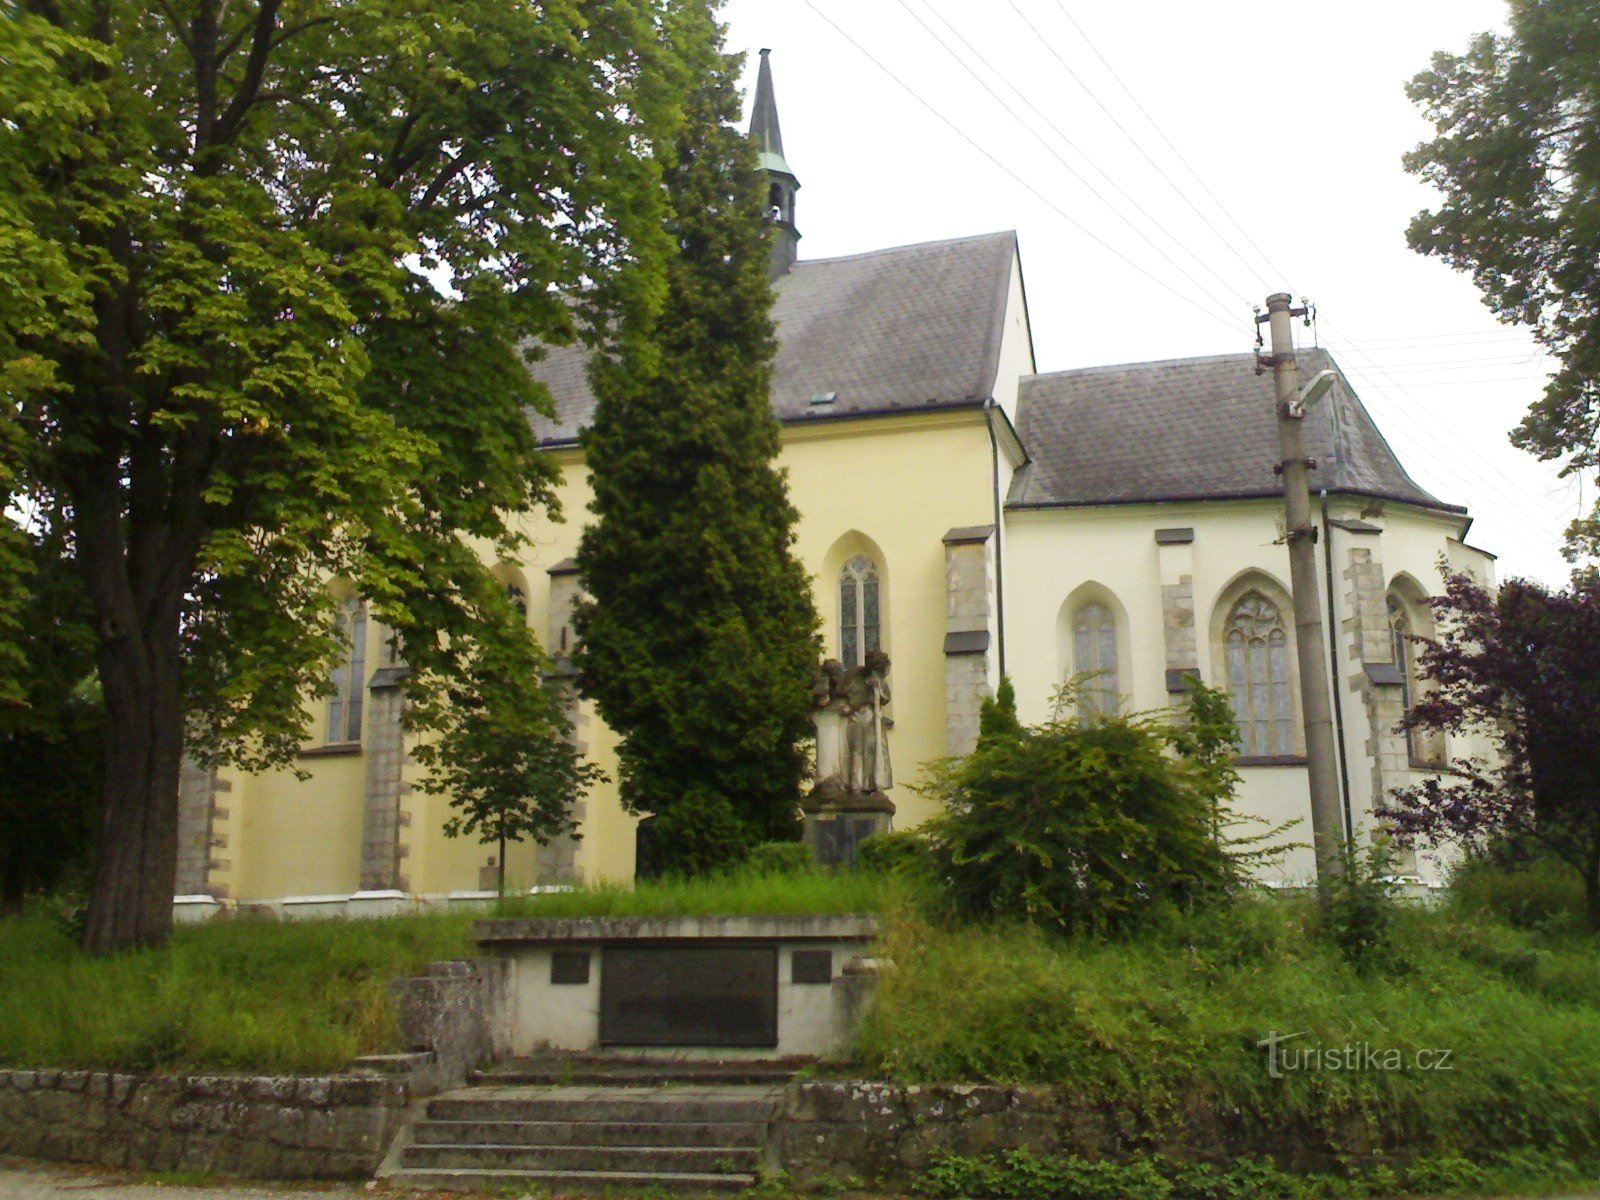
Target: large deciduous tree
{"x":699,"y":633}
{"x":1523,"y":666}
{"x":228,"y":369}
{"x":1517,"y":159}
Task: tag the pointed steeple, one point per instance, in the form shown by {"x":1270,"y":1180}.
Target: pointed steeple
{"x":781,"y":182}
{"x":764,"y":131}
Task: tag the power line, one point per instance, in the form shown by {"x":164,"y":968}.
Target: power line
{"x":1145,"y":154}
{"x":1060,"y":133}
{"x":1431,"y":433}
{"x":1035,"y":192}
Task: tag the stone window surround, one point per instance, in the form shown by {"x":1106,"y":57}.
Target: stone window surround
{"x":1255,"y":580}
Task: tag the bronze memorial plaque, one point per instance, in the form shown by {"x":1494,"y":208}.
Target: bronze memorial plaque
{"x":689,"y":996}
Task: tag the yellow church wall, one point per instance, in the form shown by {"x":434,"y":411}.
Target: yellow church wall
{"x":893,"y":486}
{"x":295,"y":837}
{"x":903,"y":482}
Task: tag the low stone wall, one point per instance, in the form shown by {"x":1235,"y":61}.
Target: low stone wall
{"x":832,"y":1132}
{"x":328,"y":1127}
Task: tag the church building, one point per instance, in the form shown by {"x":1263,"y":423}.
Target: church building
{"x":968,"y":516}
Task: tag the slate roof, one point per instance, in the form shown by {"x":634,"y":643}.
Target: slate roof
{"x":913,"y":328}
{"x":1191,"y":429}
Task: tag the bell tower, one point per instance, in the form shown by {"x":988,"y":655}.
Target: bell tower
{"x":781,"y":182}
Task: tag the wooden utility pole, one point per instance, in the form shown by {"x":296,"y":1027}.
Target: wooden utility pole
{"x":1327,"y":830}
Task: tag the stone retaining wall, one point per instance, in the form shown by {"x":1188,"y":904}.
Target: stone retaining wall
{"x":328,"y":1127}
{"x":834,"y":1132}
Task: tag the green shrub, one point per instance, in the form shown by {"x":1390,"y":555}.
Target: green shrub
{"x":1088,"y":824}
{"x":1531,"y":893}
{"x":1361,"y":909}
{"x":899,"y":852}
{"x":779,"y":858}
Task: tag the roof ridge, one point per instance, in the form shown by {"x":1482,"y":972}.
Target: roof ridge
{"x":1305,"y":352}
{"x":1010,"y":234}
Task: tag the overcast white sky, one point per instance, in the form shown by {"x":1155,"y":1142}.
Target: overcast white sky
{"x":1293,"y":116}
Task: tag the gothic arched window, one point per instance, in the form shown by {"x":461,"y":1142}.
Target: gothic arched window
{"x":1257,"y":647}
{"x":1422,"y":745}
{"x":344,"y":705}
{"x":1094,"y":653}
{"x":860,"y":625}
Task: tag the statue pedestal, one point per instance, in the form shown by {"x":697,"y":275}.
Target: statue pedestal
{"x":838,"y":821}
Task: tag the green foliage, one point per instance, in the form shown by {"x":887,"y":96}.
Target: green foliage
{"x":997,"y":714}
{"x":51,"y":743}
{"x":1159,"y":1030}
{"x":1517,"y":118}
{"x":247,"y":995}
{"x":698,"y":641}
{"x":730,"y":893}
{"x":229,"y":370}
{"x":1022,"y":1175}
{"x":780,"y":858}
{"x":903,"y":852}
{"x":1088,"y":824}
{"x":1360,"y":912}
{"x":1537,"y":892}
{"x":505,"y":758}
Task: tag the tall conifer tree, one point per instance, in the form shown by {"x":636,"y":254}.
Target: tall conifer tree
{"x":699,"y":634}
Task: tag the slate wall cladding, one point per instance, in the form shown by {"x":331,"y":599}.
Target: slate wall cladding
{"x":326,"y":1127}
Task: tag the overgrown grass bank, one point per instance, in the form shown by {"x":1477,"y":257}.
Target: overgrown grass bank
{"x":733,"y":895}
{"x":241,"y":995}
{"x":1168,"y":1023}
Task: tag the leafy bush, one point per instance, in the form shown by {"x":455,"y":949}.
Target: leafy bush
{"x":900,"y":852}
{"x":780,"y":858}
{"x":1089,"y":823}
{"x":1361,"y":909}
{"x":1021,"y":1175}
{"x":1529,"y":892}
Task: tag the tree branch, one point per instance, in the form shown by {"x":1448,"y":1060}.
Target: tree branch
{"x":444,"y":178}
{"x":260,"y":50}
{"x":177,"y":25}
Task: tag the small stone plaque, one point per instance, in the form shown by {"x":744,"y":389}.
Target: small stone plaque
{"x":569,"y":966}
{"x":811,"y":966}
{"x":689,"y":995}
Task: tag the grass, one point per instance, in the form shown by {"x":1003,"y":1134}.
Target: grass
{"x":243,"y":995}
{"x":732,"y":895}
{"x":1159,"y":1028}
{"x":256,"y":995}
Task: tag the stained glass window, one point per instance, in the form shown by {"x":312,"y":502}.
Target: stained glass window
{"x":1400,"y":645}
{"x":1094,"y":633}
{"x":344,"y":706}
{"x":860,"y":620}
{"x":1258,"y":676}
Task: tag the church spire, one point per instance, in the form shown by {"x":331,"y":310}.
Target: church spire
{"x":781,"y":182}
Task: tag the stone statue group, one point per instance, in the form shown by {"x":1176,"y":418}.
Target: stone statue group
{"x":852,"y":745}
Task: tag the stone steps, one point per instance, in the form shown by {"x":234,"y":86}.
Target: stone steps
{"x":576,"y":1070}
{"x":683,"y":1137}
{"x":589,"y":1133}
{"x":581,"y":1183}
{"x":652,"y":1160}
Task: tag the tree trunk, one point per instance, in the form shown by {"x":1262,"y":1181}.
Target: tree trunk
{"x":131,"y":902}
